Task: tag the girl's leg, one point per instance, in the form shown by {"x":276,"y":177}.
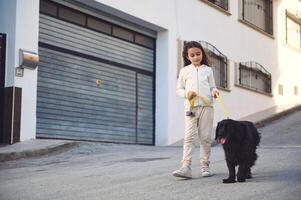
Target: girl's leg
{"x":188,"y":147}
{"x":205,"y":134}
{"x":190,"y":133}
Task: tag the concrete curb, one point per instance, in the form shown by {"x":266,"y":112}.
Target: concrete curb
{"x":14,"y":155}
{"x":262,"y":123}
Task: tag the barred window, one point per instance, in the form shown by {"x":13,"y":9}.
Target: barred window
{"x":259,"y":13}
{"x":217,"y":60}
{"x":293,"y":29}
{"x":218,"y":63}
{"x":220,"y":3}
{"x":223,"y":4}
{"x":254,"y":76}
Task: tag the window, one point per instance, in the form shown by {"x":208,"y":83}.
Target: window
{"x":144,"y":41}
{"x":123,"y":33}
{"x":49,"y":8}
{"x":62,"y":12}
{"x":218,"y":63}
{"x":72,"y":16}
{"x":220,"y":3}
{"x":293,"y":30}
{"x":99,"y":25}
{"x":295,"y":90}
{"x":280,"y":90}
{"x":259,"y":13}
{"x":254,"y":76}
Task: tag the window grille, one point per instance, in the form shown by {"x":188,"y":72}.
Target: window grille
{"x":254,"y":76}
{"x":259,"y":13}
{"x":220,"y":3}
{"x":218,"y":63}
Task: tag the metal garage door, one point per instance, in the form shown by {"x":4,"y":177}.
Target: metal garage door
{"x":92,"y":86}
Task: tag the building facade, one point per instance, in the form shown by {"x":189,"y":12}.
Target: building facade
{"x":102,"y":70}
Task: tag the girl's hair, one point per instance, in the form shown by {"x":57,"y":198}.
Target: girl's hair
{"x":194,"y":44}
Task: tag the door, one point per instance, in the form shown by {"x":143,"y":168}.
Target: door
{"x":92,"y":86}
{"x":2,"y":82}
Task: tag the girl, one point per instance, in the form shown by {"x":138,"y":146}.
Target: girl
{"x":197,"y":86}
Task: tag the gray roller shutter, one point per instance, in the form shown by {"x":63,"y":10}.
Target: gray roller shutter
{"x":145,"y":104}
{"x":70,"y":103}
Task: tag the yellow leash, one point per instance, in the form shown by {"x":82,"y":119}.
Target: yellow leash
{"x":192,"y":101}
{"x":221,"y":103}
{"x":219,"y":100}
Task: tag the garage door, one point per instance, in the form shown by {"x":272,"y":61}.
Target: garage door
{"x":93,"y":86}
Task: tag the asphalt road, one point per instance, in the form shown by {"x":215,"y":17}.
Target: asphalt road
{"x":133,"y":172}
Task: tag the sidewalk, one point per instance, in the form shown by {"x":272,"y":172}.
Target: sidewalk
{"x":32,"y":148}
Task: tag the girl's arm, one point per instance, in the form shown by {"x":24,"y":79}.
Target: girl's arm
{"x":213,"y":89}
{"x":181,"y":85}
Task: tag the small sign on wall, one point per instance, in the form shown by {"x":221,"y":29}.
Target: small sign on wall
{"x":19,"y":71}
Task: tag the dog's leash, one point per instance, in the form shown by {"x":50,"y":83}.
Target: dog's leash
{"x":205,"y":103}
{"x":221,"y":103}
{"x":192,"y":101}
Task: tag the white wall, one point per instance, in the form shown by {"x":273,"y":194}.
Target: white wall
{"x":162,"y":14}
{"x":27,"y":39}
{"x":289,"y":59}
{"x":195,"y":20}
{"x":173,"y":19}
{"x":20,"y":21}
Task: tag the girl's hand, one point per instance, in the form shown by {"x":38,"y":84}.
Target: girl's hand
{"x":191,"y":95}
{"x":215,"y":93}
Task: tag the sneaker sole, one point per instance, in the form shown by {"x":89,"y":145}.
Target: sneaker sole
{"x":181,"y":176}
{"x":207,"y":175}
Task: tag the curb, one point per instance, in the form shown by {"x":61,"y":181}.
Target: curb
{"x":262,"y":123}
{"x":37,"y":152}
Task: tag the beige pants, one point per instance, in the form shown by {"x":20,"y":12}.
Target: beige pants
{"x":199,"y":126}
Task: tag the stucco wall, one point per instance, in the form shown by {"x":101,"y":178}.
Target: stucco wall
{"x":195,"y":20}
{"x":20,"y":21}
{"x":27,"y":39}
{"x":173,"y":20}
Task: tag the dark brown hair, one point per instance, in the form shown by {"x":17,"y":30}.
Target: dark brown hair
{"x":194,"y":44}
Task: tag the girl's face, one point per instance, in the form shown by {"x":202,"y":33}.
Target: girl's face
{"x":195,"y":56}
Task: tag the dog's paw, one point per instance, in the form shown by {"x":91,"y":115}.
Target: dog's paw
{"x":229,"y":180}
{"x":249,"y":176}
{"x":241,"y":179}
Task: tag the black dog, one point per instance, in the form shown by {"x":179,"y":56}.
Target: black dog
{"x":239,"y":140}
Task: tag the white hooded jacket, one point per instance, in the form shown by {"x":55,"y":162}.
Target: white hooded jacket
{"x":198,"y":79}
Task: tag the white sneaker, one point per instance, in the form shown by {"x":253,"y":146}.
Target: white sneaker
{"x":205,"y":172}
{"x":183,"y":172}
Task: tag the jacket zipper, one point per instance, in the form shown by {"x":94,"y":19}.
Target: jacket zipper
{"x":198,"y":93}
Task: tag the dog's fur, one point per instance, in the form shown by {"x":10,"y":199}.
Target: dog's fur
{"x":239,"y":140}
